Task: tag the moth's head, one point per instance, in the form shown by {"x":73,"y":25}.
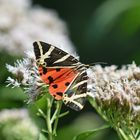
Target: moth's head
{"x":41,"y":62}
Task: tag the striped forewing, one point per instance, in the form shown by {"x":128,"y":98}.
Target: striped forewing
{"x":52,"y":56}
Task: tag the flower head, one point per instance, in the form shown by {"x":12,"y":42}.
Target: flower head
{"x":116,"y":95}
{"x":26,"y":76}
{"x":21,"y":24}
{"x":16,"y":124}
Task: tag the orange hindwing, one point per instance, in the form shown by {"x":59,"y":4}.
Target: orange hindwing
{"x":59,"y":79}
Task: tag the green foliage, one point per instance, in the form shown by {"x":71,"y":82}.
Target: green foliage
{"x":85,"y":121}
{"x":42,"y":137}
{"x":85,"y":135}
{"x":5,"y":59}
{"x":102,"y":31}
{"x":109,"y":13}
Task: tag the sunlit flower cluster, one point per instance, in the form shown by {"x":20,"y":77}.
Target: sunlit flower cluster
{"x":21,"y":24}
{"x":116,"y":95}
{"x":16,"y":124}
{"x":26,"y":76}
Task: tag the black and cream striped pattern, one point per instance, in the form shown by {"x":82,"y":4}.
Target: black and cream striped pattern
{"x":75,"y":96}
{"x":50,"y":56}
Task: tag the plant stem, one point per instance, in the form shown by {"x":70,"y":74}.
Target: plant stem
{"x":52,"y":120}
{"x":124,"y":136}
{"x":58,"y":109}
{"x":48,"y":119}
{"x":63,"y":114}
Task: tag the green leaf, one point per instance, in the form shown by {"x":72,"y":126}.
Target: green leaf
{"x":5,"y":58}
{"x":10,"y":93}
{"x":42,"y":137}
{"x":84,"y":135}
{"x":107,"y":15}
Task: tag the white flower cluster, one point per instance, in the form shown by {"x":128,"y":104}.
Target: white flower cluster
{"x":21,"y":25}
{"x":16,"y":123}
{"x":26,"y":76}
{"x":110,"y":82}
{"x":116,"y":94}
{"x":14,"y":114}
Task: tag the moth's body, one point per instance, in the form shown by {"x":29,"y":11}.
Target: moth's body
{"x":65,"y":75}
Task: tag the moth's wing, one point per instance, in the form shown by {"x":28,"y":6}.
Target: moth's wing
{"x":49,"y":56}
{"x":75,"y":96}
{"x":52,"y":56}
{"x":62,"y":84}
{"x":58,"y":79}
{"x":51,"y":75}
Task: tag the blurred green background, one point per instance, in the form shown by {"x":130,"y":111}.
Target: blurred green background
{"x":102,"y":31}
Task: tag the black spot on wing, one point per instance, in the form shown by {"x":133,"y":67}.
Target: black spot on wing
{"x":50,"y":79}
{"x":58,"y":69}
{"x":54,"y":95}
{"x":67,"y":83}
{"x":44,"y":70}
{"x":59,"y":93}
{"x":55,"y":86}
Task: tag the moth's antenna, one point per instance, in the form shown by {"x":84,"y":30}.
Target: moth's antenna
{"x":98,"y":63}
{"x":91,"y":64}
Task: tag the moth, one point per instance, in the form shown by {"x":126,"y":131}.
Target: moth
{"x":65,"y":75}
